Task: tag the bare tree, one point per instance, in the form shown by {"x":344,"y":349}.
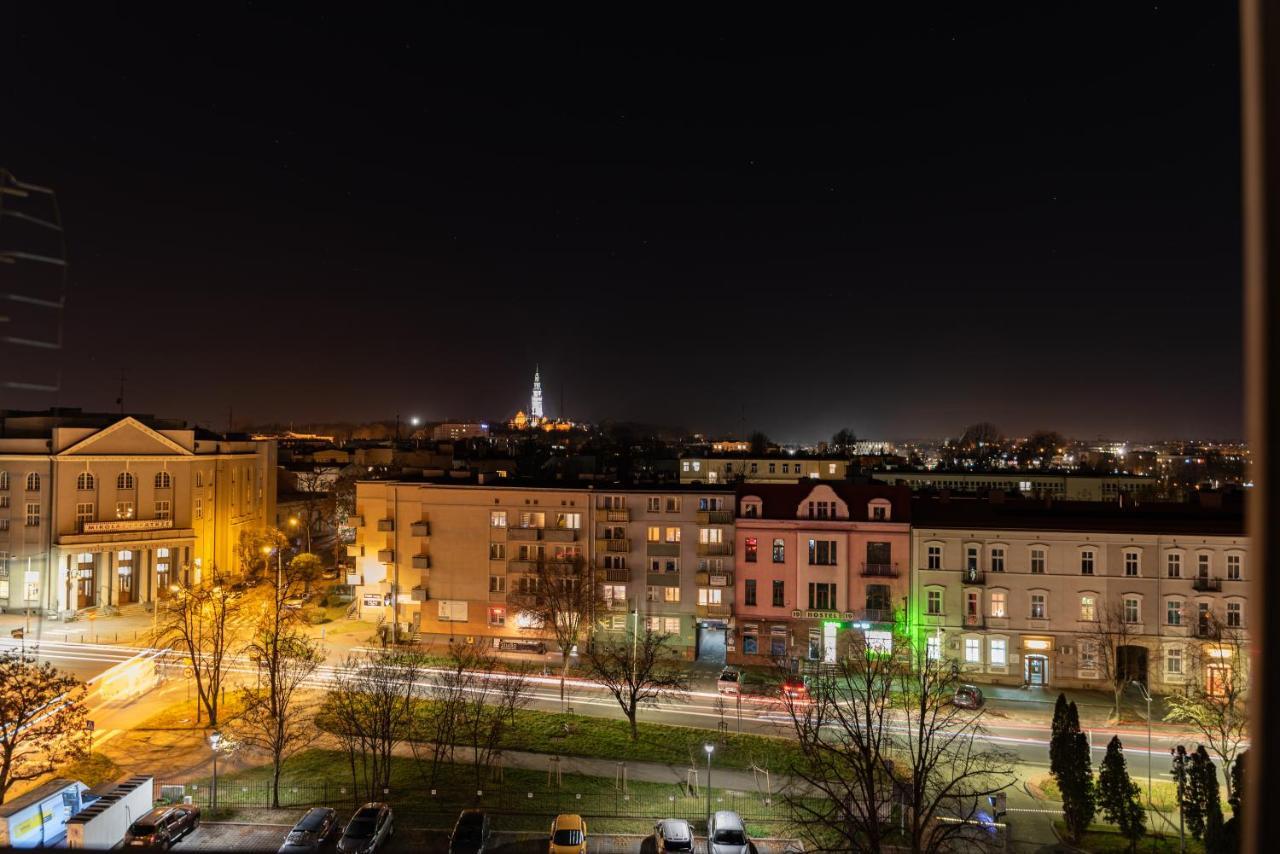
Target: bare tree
{"x":256,"y":548}
{"x":562,"y":597}
{"x":1112,"y":637}
{"x":195,"y":625}
{"x":287,"y":658}
{"x":1215,"y":699}
{"x":490,"y":700}
{"x":880,"y":734}
{"x":370,"y":710}
{"x":638,"y":671}
{"x":42,"y":720}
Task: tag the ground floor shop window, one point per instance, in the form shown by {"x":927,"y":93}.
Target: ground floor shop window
{"x":750,"y":644}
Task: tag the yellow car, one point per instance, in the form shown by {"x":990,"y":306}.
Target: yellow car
{"x":568,"y":835}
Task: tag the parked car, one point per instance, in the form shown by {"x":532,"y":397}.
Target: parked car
{"x":672,"y":834}
{"x":730,"y":681}
{"x":568,"y":835}
{"x":470,"y":833}
{"x":294,"y":602}
{"x":727,"y":835}
{"x":968,"y":697}
{"x":311,"y":832}
{"x":794,"y":688}
{"x":163,"y":826}
{"x":369,"y":829}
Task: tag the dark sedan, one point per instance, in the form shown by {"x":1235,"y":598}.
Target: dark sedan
{"x":311,"y":831}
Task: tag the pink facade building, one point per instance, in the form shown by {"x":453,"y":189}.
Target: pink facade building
{"x":814,"y":559}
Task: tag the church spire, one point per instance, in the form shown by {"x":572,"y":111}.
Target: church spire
{"x":535,"y":402}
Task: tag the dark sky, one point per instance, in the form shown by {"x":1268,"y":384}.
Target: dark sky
{"x":898,"y":224}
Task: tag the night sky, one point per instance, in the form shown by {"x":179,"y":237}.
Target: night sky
{"x":897,"y":224}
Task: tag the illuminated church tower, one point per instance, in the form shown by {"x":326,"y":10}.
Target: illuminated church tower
{"x":535,"y":402}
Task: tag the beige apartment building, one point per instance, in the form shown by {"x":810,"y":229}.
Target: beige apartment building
{"x":444,"y":561}
{"x":714,"y":470}
{"x":1014,"y":592}
{"x":99,"y":511}
{"x":1061,"y":485}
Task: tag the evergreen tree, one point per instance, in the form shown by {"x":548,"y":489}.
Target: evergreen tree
{"x":1119,"y":796}
{"x":1214,"y":837}
{"x":1056,"y":740}
{"x":1075,"y":777}
{"x":1232,"y":830}
{"x":1195,"y":799}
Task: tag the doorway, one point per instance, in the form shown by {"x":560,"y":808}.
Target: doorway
{"x":1036,"y":670}
{"x":711,"y":643}
{"x":1131,"y":663}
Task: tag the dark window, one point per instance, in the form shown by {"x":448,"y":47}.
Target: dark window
{"x":878,"y":597}
{"x":779,"y":551}
{"x":880,"y":553}
{"x":822,"y":597}
{"x":777,"y":594}
{"x":751,"y":591}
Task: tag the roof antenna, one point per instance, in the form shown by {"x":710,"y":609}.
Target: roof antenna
{"x":120,"y":399}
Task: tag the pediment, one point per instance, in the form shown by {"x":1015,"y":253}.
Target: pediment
{"x":126,"y":437}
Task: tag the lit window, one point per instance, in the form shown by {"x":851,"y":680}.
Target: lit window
{"x":707,"y":595}
{"x":33,"y":515}
{"x":84,"y":512}
{"x":124,"y":509}
{"x":999,"y":604}
{"x":654,"y":534}
{"x":571,"y":521}
{"x":933,"y":648}
{"x":497,"y":617}
{"x":198,"y":509}
{"x":1037,"y":606}
{"x":672,"y":625}
{"x":498,"y":518}
{"x":972,"y":651}
{"x":671,"y":595}
{"x":1088,"y":609}
{"x":998,"y":651}
{"x":779,"y":551}
{"x":163,"y":510}
{"x":752,"y":548}
{"x":673,"y":535}
{"x":33,"y":482}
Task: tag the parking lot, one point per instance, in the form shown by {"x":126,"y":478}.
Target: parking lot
{"x":234,"y":836}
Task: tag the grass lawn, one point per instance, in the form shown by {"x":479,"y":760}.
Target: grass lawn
{"x":1165,"y":792}
{"x":1100,"y":841}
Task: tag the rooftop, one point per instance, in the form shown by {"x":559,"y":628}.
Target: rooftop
{"x":1027,"y":514}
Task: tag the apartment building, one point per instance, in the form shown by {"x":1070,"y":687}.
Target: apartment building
{"x":1061,"y":485}
{"x":99,"y":511}
{"x":1016,"y":591}
{"x":444,"y":561}
{"x":780,"y":469}
{"x":815,"y":558}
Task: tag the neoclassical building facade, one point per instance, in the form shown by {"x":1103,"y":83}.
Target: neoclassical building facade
{"x":100,"y":511}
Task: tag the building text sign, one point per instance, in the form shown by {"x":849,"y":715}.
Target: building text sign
{"x":847,"y":616}
{"x":127,"y":525}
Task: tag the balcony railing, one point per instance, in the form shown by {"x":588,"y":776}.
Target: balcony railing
{"x":420,"y":528}
{"x":874,"y":615}
{"x":355,"y":550}
{"x":422,"y":561}
{"x":560,"y":535}
{"x":524,"y":533}
{"x":420,"y":594}
{"x":521,"y":565}
{"x":880,"y":570}
{"x":386,"y":556}
{"x":386,"y":525}
{"x":614,"y":545}
{"x":623,"y":515}
{"x":355,"y":520}
{"x":720,"y":610}
{"x":614,"y":575}
{"x":662,"y":549}
{"x":706,"y":578}
{"x":715,"y":517}
{"x":715,"y":549}
{"x":1207,"y":585}
{"x":973,"y":576}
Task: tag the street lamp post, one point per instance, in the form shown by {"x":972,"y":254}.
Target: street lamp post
{"x":710,"y":748}
{"x":214,"y":738}
{"x":1146,"y":695}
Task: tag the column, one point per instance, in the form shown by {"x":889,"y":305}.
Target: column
{"x":107,"y":587}
{"x":149,"y":567}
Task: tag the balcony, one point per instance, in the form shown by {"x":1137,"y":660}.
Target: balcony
{"x":420,"y":529}
{"x":614,"y":545}
{"x":354,"y":520}
{"x":386,"y":526}
{"x":873,"y":615}
{"x":715,"y":517}
{"x":880,"y":570}
{"x":623,"y":515}
{"x":355,"y":550}
{"x":386,"y":556}
{"x":615,"y":576}
{"x":1207,"y":585}
{"x":714,"y":579}
{"x":420,"y":594}
{"x":973,"y":621}
{"x":662,"y":549}
{"x":714,"y":549}
{"x":560,"y":535}
{"x":518,"y":565}
{"x":422,"y":561}
{"x":614,"y":605}
{"x":720,"y":610}
{"x":355,"y":579}
{"x":524,"y":534}
{"x":973,"y":576}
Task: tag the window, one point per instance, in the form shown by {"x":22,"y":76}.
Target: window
{"x":1173,"y":612}
{"x":163,"y":510}
{"x":614,"y":562}
{"x":498,"y":617}
{"x":1037,"y":606}
{"x":124,"y":480}
{"x":497,"y":584}
{"x":750,"y":643}
{"x":822,"y":552}
{"x":198,"y":509}
{"x":673,"y":504}
{"x":653,"y":504}
{"x":997,"y":559}
{"x":531,"y":552}
{"x":999,"y":604}
{"x":779,"y":551}
{"x":972,"y":651}
{"x":1174,"y":565}
{"x":822,"y":596}
{"x":4,"y":502}
{"x":497,"y":551}
{"x":200,"y":479}
{"x":971,"y":558}
{"x":673,"y":535}
{"x":84,"y":481}
{"x":671,"y":595}
{"x":750,"y":592}
{"x":33,"y":515}
{"x":1038,"y":561}
{"x":753,"y":546}
{"x":1131,"y":610}
{"x":971,"y":603}
{"x":1131,"y":565}
{"x":786,"y":467}
{"x":822,"y":510}
{"x":671,"y":625}
{"x":4,"y":481}
{"x":163,"y":481}
{"x":933,"y":602}
{"x":778,"y":598}
{"x":710,"y":595}
{"x":84,"y":512}
{"x":567,"y":553}
{"x":654,"y":534}
{"x":933,"y":648}
{"x":1086,"y":562}
{"x":1202,"y":566}
{"x":750,"y":509}
{"x":533,"y":519}
{"x":1173,"y":661}
{"x":497,"y":518}
{"x":33,"y":482}
{"x":570,"y":521}
{"x":998,"y":652}
{"x":1088,"y":608}
{"x":1234,"y":563}
{"x":773,"y":468}
{"x":933,"y":557}
{"x":1088,"y":655}
{"x":879,"y":512}
{"x":652,"y":593}
{"x":1235,"y":615}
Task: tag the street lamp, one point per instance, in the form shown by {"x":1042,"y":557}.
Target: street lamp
{"x":710,"y":748}
{"x":214,"y":738}
{"x":1146,"y":695}
{"x":266,"y":551}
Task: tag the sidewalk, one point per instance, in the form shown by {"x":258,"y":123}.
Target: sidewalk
{"x":1035,"y":704}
